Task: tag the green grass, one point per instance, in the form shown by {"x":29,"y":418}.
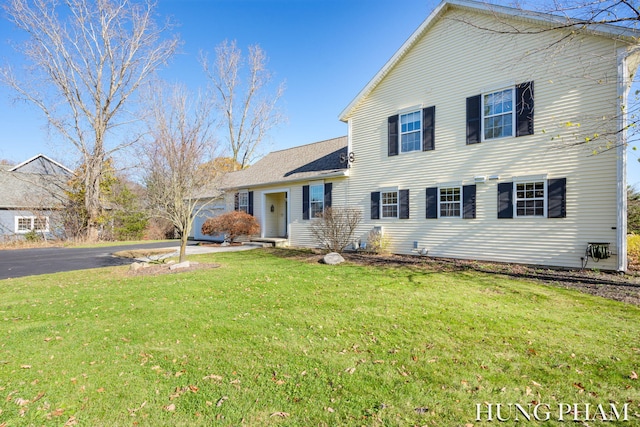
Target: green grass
{"x":265,"y":340}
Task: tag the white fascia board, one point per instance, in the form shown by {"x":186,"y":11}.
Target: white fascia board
{"x":338,"y":174}
{"x":13,"y":169}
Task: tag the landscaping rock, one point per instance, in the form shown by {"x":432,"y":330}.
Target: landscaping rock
{"x":185,"y":264}
{"x":333,"y":258}
{"x":138,"y":265}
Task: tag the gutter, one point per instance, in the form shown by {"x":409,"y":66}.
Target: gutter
{"x":621,"y":141}
{"x":337,"y":174}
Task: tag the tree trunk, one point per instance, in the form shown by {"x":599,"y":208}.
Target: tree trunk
{"x":183,"y":247}
{"x":92,"y":196}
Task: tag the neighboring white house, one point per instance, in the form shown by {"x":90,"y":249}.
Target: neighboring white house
{"x":31,"y":194}
{"x":466,"y":145}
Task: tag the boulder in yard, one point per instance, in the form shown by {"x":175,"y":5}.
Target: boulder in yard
{"x":185,"y":264}
{"x":333,"y":258}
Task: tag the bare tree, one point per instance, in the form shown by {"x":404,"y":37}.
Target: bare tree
{"x":335,"y":227}
{"x":243,"y":98}
{"x":87,"y":60}
{"x":181,"y":141}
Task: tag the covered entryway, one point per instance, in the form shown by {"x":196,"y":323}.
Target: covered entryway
{"x":275,"y":214}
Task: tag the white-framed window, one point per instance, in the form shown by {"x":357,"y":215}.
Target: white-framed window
{"x":498,"y":118}
{"x":243,"y":201}
{"x":316,"y":200}
{"x":411,"y":131}
{"x":530,"y":198}
{"x":450,"y":202}
{"x":25,"y":224}
{"x":389,"y":204}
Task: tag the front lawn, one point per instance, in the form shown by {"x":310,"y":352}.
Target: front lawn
{"x":266,"y":340}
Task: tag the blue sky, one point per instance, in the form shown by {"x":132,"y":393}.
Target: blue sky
{"x":325,"y":51}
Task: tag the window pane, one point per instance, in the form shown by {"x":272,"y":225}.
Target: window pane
{"x":316,"y":197}
{"x":530,"y":198}
{"x":24,"y":224}
{"x":450,"y":205}
{"x":410,"y":126}
{"x":389,"y":204}
{"x":40,"y":224}
{"x":498,"y":114}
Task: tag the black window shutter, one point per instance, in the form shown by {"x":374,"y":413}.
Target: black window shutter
{"x":505,"y":200}
{"x":250,"y":207}
{"x":403,"y":196}
{"x":327,"y":194}
{"x":428,"y":128}
{"x":524,"y":109}
{"x":432,"y":202}
{"x":236,"y":201}
{"x":557,"y":198}
{"x":305,"y":202}
{"x":375,"y":205}
{"x":393,"y":135}
{"x":474,"y":117}
{"x":469,"y":201}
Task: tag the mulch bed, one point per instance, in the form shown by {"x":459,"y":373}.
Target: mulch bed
{"x":158,"y":269}
{"x":612,"y":285}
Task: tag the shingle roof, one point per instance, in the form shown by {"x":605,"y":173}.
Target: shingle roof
{"x":311,"y":161}
{"x":19,"y":190}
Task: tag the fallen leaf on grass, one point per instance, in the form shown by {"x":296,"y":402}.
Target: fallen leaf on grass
{"x":170,"y":408}
{"x":100,"y":390}
{"x":634,"y":375}
{"x":422,"y":410}
{"x":213,"y":377}
{"x":25,"y":366}
{"x":221,"y":401}
{"x":350,"y":370}
{"x":21,"y":402}
{"x":132,"y":412}
{"x":281,"y":414}
{"x":71,"y":422}
{"x":330,"y":409}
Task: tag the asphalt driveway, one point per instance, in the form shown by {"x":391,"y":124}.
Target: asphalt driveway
{"x":29,"y":262}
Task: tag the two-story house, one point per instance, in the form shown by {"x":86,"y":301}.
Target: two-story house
{"x":491,"y":134}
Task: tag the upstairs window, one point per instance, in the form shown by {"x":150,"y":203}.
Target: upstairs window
{"x":411,"y":131}
{"x":498,"y":117}
{"x":505,"y":113}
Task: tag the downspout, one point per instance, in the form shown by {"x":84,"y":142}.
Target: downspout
{"x":621,"y":141}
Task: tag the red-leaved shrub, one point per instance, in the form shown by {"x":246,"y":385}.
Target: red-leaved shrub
{"x":232,"y":225}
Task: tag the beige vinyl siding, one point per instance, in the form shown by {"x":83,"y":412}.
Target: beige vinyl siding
{"x":454,"y":61}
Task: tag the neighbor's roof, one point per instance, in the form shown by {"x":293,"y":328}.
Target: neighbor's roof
{"x":30,"y":191}
{"x":312,"y":161}
{"x":41,"y":187}
{"x":544,"y":19}
{"x":42,"y":164}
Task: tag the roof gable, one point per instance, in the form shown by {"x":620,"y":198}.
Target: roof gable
{"x":538,"y":18}
{"x":42,"y":165}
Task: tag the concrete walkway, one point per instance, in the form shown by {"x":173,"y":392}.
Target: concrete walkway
{"x":206,"y":249}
